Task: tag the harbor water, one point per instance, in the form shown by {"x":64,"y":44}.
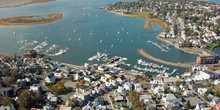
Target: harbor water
{"x":86,"y":29}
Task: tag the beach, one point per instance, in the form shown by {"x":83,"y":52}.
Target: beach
{"x":29,"y":20}
{"x":144,"y":15}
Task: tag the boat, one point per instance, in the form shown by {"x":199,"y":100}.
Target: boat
{"x":112,"y":45}
{"x":101,"y":41}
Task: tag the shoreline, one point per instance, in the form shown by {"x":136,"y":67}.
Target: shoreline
{"x":145,"y":15}
{"x":149,"y":26}
{"x":143,"y":53}
{"x":179,"y":48}
{"x":24,"y":2}
{"x":28,"y":20}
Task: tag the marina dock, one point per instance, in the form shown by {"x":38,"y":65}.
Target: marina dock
{"x":157,"y":45}
{"x":146,"y":55}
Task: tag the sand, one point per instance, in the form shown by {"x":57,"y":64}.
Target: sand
{"x":144,"y":15}
{"x":29,"y":20}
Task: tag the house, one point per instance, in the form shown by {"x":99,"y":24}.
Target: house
{"x":35,"y":87}
{"x":205,"y":75}
{"x":127,"y":86}
{"x":216,"y":82}
{"x":171,"y":80}
{"x":157,"y":80}
{"x":99,"y":104}
{"x":6,"y":91}
{"x":171,"y":100}
{"x":174,"y":88}
{"x":63,"y":107}
{"x":158,"y":90}
{"x":50,"y":78}
{"x":52,"y":98}
{"x":7,"y":108}
{"x":215,"y":101}
{"x":146,"y":99}
{"x":95,"y":76}
{"x":202,"y":91}
{"x":83,"y":96}
{"x":79,"y":75}
{"x":188,"y":93}
{"x":88,"y":78}
{"x":102,"y":68}
{"x":138,"y":87}
{"x":193,"y":101}
{"x":195,"y":86}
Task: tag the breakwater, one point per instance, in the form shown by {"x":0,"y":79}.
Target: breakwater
{"x":145,"y":54}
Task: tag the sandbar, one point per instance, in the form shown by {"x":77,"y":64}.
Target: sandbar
{"x":15,"y":3}
{"x":29,"y":20}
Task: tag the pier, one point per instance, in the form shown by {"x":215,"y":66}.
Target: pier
{"x":145,"y":54}
{"x":157,"y":45}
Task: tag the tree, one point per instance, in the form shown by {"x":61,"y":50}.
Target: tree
{"x":28,"y":99}
{"x":6,"y":101}
{"x":77,"y":108}
{"x":188,"y":105}
{"x":188,"y":44}
{"x":178,"y":83}
{"x":58,"y":88}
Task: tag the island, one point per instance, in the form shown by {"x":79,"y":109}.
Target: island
{"x":15,"y":3}
{"x":29,"y":20}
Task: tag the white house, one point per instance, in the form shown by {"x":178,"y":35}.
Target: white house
{"x":188,"y":93}
{"x":138,"y":87}
{"x":50,"y":78}
{"x":35,"y":88}
{"x":216,"y":82}
{"x":127,"y":86}
{"x":157,"y":80}
{"x":171,"y":100}
{"x":202,"y":91}
{"x":202,"y":75}
{"x":145,"y":98}
{"x":215,"y":101}
{"x":174,"y":88}
{"x":159,"y":90}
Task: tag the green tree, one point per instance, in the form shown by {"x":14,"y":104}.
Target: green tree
{"x":178,"y":83}
{"x":188,"y":105}
{"x":28,"y":99}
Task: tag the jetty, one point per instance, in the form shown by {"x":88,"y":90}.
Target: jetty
{"x":145,"y":54}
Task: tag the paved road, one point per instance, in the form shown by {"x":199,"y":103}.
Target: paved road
{"x":106,"y":98}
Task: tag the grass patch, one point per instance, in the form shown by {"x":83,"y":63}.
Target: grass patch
{"x":211,"y":46}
